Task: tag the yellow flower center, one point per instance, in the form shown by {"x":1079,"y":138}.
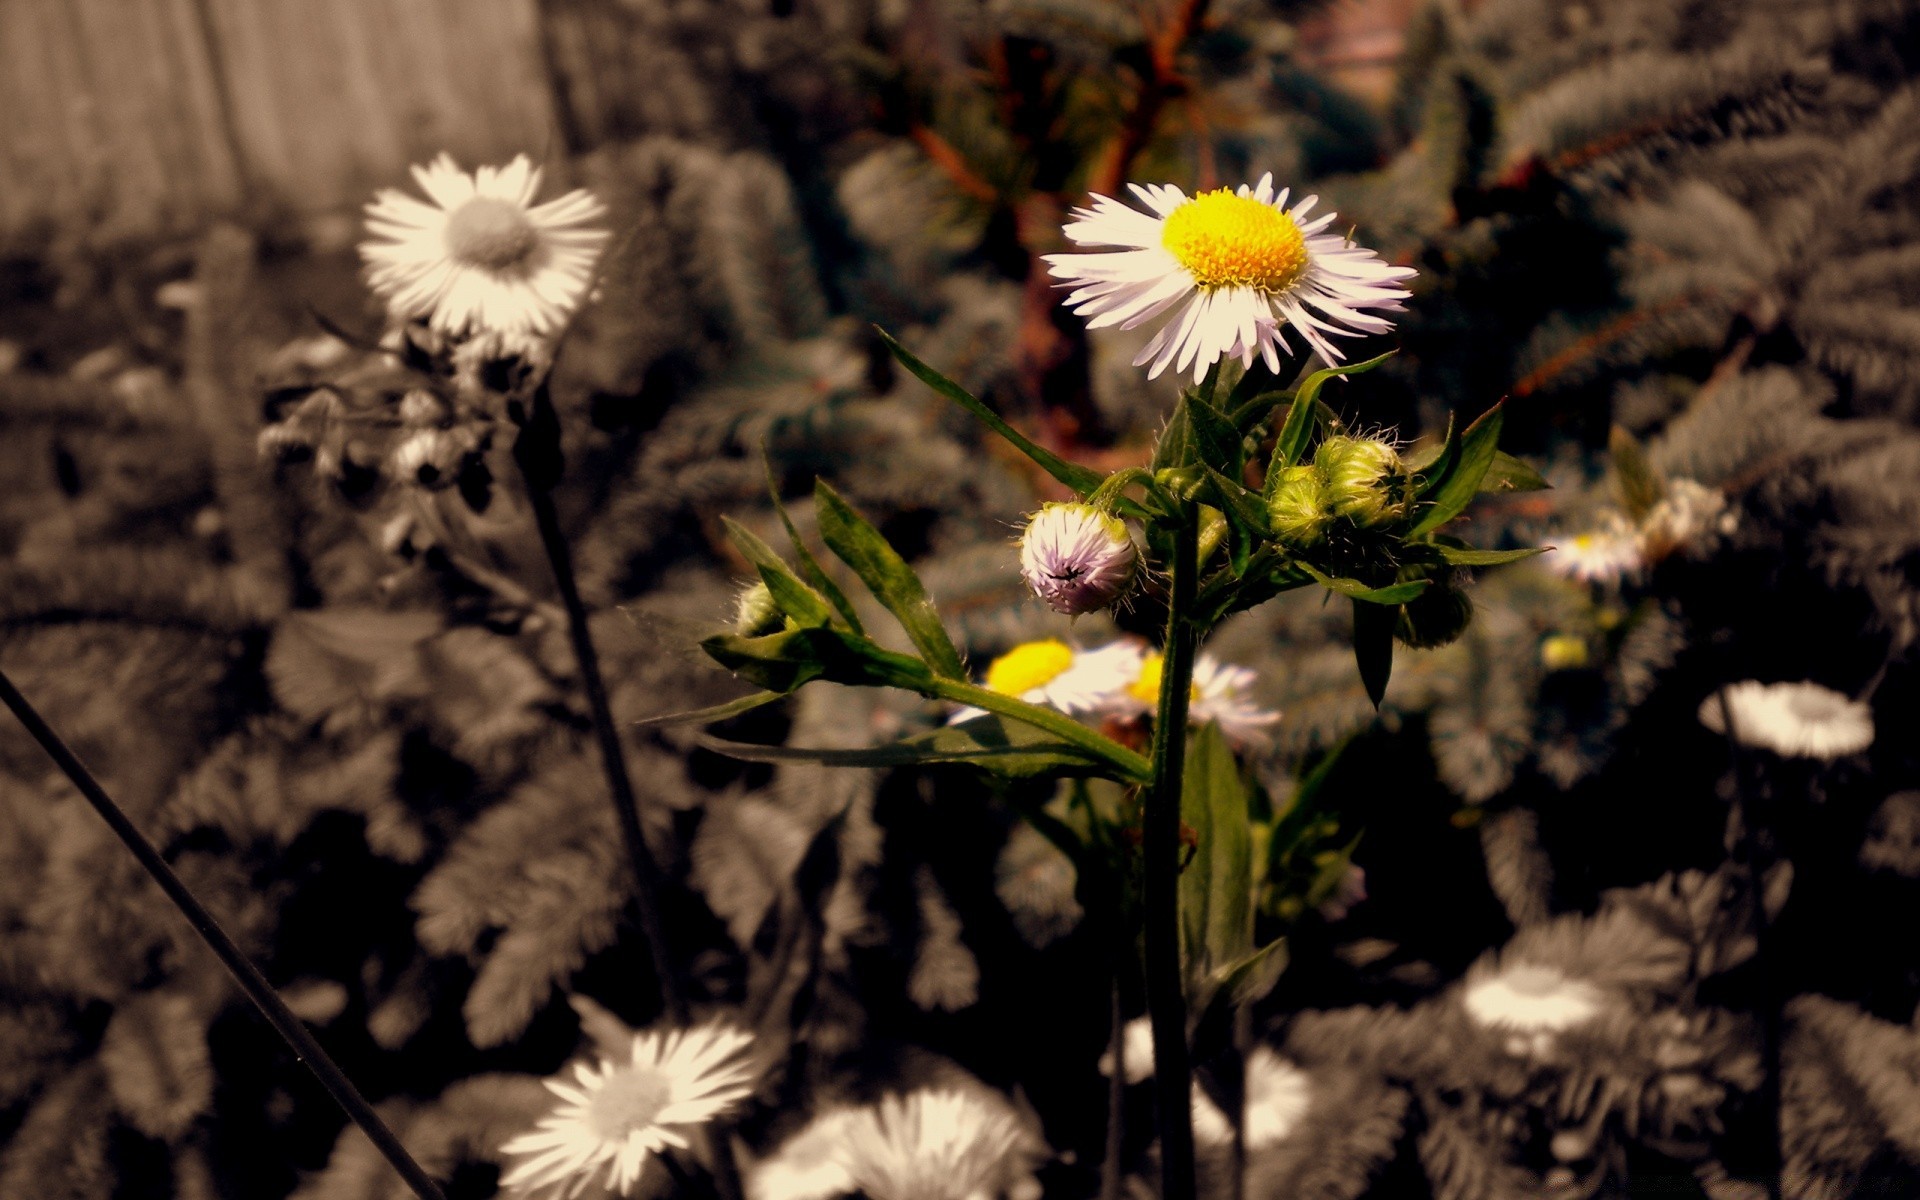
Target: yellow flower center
{"x":1228,"y":240}
{"x":491,"y":233}
{"x":1028,"y":666}
{"x":630,"y":1099}
{"x":1146,"y":689}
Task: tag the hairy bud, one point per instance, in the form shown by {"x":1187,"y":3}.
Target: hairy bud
{"x":1434,"y":617}
{"x":1366,"y":481}
{"x":1298,"y":510}
{"x":755,"y":613}
{"x":1076,"y":557}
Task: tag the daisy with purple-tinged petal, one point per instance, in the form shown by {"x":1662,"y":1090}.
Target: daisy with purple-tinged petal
{"x":478,"y":257}
{"x":615,"y":1115}
{"x":1232,"y":267}
{"x":1076,"y":557}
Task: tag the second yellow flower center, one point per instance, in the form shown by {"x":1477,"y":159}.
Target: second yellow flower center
{"x":1228,"y":240}
{"x":1146,"y":689}
{"x":491,"y":233}
{"x":1028,"y":666}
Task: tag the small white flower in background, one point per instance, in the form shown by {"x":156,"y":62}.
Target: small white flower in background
{"x":1794,"y":720}
{"x":1234,"y":267}
{"x":1219,"y":696}
{"x":1685,"y":514}
{"x":1351,"y":890}
{"x":936,"y":1144}
{"x":1136,"y":1050}
{"x":1532,"y":1002}
{"x":615,"y":1114}
{"x":1051,"y":673}
{"x":1077,"y":558}
{"x":479,"y":257}
{"x":1604,"y":555}
{"x":1278,"y":1095}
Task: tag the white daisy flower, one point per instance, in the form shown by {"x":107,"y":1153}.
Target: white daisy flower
{"x":1036,"y":881}
{"x":1794,"y":720}
{"x":1532,"y":1003}
{"x":480,"y":257}
{"x":1136,"y":1051}
{"x":1236,"y":265}
{"x":1219,"y":695}
{"x":1686,"y":514}
{"x":1604,"y":555}
{"x":1051,"y":673}
{"x":1077,"y":558}
{"x":615,"y":1114}
{"x":935,"y":1144}
{"x":1278,"y":1095}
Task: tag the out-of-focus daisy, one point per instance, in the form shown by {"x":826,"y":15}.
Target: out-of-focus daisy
{"x":808,"y":1165}
{"x":1604,"y":555}
{"x":1219,"y":695}
{"x":478,"y":256}
{"x":1532,"y":1002}
{"x":615,"y":1114}
{"x":1795,"y":720}
{"x":1051,"y":673}
{"x":1688,"y":512}
{"x":1077,"y":558}
{"x":1278,"y":1095}
{"x":1233,"y":266}
{"x":1351,"y":890}
{"x":1136,"y":1051}
{"x":1036,"y":881}
{"x":934,"y":1144}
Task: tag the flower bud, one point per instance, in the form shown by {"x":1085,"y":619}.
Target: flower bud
{"x":1298,"y":509}
{"x":1366,"y":481}
{"x":1435,"y":617}
{"x":1564,"y":652}
{"x":755,"y":613}
{"x":1076,"y":557}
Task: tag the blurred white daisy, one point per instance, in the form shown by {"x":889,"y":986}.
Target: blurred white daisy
{"x":1532,"y":1002}
{"x":1278,"y":1095}
{"x":1219,"y":695}
{"x":1794,"y":720}
{"x":808,"y":1165}
{"x":1049,"y":672}
{"x":1233,"y":265}
{"x":615,"y":1114}
{"x":479,"y":257}
{"x":1685,"y":514}
{"x":1036,"y":881}
{"x":1604,"y":555}
{"x":935,"y":1144}
{"x":1136,"y":1051}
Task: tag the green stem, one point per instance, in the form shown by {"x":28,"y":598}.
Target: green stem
{"x":1130,"y":765}
{"x":1160,"y":838}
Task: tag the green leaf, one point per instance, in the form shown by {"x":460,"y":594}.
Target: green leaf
{"x":1175,"y":448}
{"x":1003,"y":747}
{"x":781,"y":662}
{"x":1248,"y":980}
{"x":1292,"y":441}
{"x":1216,"y":442}
{"x":793,"y":597}
{"x":1246,"y":515}
{"x":1392,"y":594}
{"x":1640,"y":485}
{"x":713,"y":713}
{"x":888,"y":577}
{"x":1447,"y":493}
{"x":1510,"y":474}
{"x":1216,"y":889}
{"x":809,"y":566}
{"x":1486,"y":558}
{"x":1373,"y":646}
{"x":1080,"y":479}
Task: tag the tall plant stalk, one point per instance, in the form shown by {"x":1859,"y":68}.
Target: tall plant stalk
{"x":1160,"y":838}
{"x":304,"y":1045}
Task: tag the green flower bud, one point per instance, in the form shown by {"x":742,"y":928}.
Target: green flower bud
{"x":1366,"y":481}
{"x":1298,"y":509}
{"x":1434,"y":617}
{"x":755,"y":613}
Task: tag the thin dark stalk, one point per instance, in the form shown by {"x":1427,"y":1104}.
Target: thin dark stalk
{"x":1160,"y":837}
{"x":244,"y":973}
{"x":1751,"y":848}
{"x":1116,"y":1093}
{"x":613,"y":759}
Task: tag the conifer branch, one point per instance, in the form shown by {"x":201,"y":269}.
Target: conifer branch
{"x":304,"y":1045}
